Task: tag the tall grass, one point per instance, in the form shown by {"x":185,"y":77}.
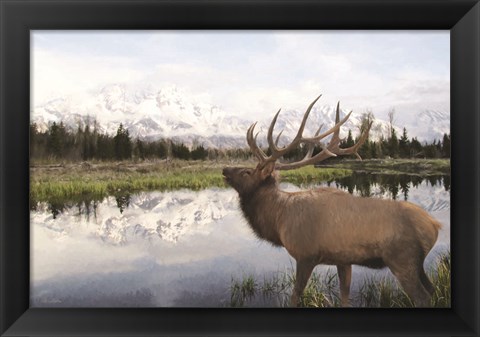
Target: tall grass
{"x":73,"y":180}
{"x":382,"y":293}
{"x":103,"y":181}
{"x":322,"y":290}
{"x":418,"y":167}
{"x":76,"y":181}
{"x":441,"y":280}
{"x":308,"y":174}
{"x":387,"y":294}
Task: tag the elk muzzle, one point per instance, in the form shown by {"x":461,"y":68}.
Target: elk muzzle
{"x":227,"y":172}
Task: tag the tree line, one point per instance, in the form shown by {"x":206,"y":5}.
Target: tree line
{"x":391,"y":145}
{"x":87,"y":143}
{"x":403,"y":147}
{"x":394,"y":146}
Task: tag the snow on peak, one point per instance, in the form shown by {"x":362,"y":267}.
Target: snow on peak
{"x":171,"y":112}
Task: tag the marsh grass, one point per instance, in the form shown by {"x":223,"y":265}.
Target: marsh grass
{"x":70,"y":182}
{"x":385,"y":293}
{"x":441,"y":280}
{"x":243,"y":291}
{"x":308,"y":174}
{"x":73,"y":181}
{"x":417,"y":167}
{"x":382,"y":293}
{"x":322,"y":290}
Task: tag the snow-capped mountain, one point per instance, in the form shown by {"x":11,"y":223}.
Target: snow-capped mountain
{"x":437,"y":122}
{"x":152,"y":113}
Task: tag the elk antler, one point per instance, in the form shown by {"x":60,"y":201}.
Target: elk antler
{"x":332,"y":149}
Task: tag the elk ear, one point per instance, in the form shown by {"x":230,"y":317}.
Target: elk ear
{"x":267,"y":170}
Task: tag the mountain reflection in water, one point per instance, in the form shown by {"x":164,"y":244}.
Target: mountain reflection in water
{"x":178,"y":248}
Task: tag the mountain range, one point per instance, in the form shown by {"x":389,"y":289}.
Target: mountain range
{"x":151,"y":113}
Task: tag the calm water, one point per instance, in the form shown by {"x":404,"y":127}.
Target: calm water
{"x":179,"y":248}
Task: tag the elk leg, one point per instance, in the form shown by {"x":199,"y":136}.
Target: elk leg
{"x":304,"y":270}
{"x":345,"y":277}
{"x":426,"y":282}
{"x":411,"y":281}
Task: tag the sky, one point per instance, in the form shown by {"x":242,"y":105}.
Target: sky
{"x":253,"y":72}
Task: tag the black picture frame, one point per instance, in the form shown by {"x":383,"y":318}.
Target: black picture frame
{"x":18,"y":17}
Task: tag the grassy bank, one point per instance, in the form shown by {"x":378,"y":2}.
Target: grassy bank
{"x":76,"y":181}
{"x":419,"y":167}
{"x":95,"y":180}
{"x":322,"y":290}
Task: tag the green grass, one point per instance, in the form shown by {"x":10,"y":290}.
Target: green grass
{"x":243,"y":291}
{"x":441,"y":280}
{"x":322,"y":290}
{"x":383,"y":293}
{"x":308,"y":174}
{"x":77,"y":181}
{"x":386,"y":293}
{"x":98,"y":180}
{"x":419,"y":167}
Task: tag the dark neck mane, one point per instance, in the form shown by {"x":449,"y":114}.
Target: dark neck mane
{"x":262,"y":210}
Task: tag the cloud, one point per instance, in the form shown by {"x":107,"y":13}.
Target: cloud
{"x":55,"y":74}
{"x":255,"y":73}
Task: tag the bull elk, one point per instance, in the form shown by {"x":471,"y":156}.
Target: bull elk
{"x":329,"y":226}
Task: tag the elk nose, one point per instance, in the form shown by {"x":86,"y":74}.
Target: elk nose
{"x":226,"y":171}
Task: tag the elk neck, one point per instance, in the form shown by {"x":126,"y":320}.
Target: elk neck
{"x":263,"y":209}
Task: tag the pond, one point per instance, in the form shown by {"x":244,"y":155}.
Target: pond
{"x":180,"y":248}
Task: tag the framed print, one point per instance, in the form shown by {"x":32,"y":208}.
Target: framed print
{"x":139,"y":199}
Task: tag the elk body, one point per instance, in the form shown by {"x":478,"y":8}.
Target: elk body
{"x":329,"y":226}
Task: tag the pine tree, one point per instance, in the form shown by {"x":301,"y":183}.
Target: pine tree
{"x":56,"y":139}
{"x":404,"y":144}
{"x":350,"y":142}
{"x":364,"y":151}
{"x":393,"y":144}
{"x":105,"y":147}
{"x":199,"y":153}
{"x":446,"y":145}
{"x":373,"y":150}
{"x":416,"y":149}
{"x":123,"y":144}
{"x":86,"y":148}
{"x":382,"y":148}
{"x":180,"y":151}
{"x":139,"y":150}
{"x":431,"y":150}
{"x":33,"y":139}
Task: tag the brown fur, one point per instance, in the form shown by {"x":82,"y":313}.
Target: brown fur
{"x":329,"y":226}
